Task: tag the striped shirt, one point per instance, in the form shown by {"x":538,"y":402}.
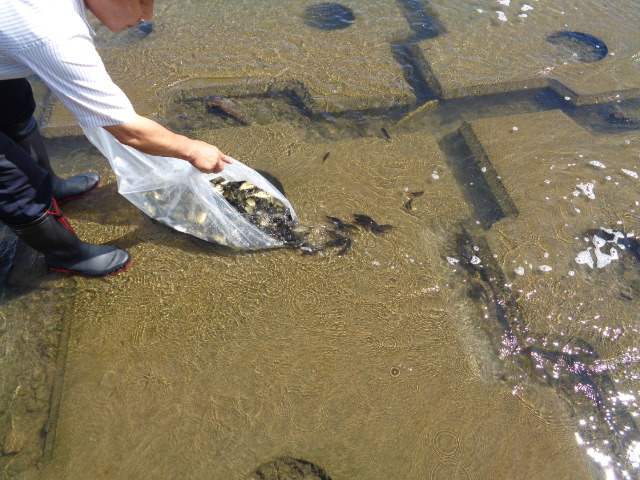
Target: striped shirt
{"x":52,"y":39}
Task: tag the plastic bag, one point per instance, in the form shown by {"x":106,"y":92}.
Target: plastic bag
{"x":176,"y":194}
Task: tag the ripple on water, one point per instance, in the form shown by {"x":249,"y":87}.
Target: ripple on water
{"x":306,"y":411}
{"x":446,"y":443}
{"x":545,"y":405}
{"x":450,"y":469}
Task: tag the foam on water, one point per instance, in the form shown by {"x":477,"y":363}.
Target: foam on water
{"x":587,"y":189}
{"x":604,"y":259}
{"x":585,"y":258}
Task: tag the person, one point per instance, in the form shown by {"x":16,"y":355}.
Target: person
{"x":52,"y":39}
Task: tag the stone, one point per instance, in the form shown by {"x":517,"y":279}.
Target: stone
{"x":14,"y":442}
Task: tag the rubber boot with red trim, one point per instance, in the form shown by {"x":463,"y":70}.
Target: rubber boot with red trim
{"x":28,"y":137}
{"x":64,"y":252}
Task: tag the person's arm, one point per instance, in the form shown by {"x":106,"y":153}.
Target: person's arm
{"x":69,"y":62}
{"x":150,"y":137}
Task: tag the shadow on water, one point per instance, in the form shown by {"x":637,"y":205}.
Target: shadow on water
{"x":416,"y":71}
{"x":328,"y":16}
{"x":477,"y":180}
{"x":421,"y":19}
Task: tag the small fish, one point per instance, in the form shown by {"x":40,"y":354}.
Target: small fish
{"x":409,"y":204}
{"x":345,"y":248}
{"x":370,"y":223}
{"x":386,"y":134}
{"x":229,"y":108}
{"x":337,"y":242}
{"x":326,"y":155}
{"x":340,"y":225}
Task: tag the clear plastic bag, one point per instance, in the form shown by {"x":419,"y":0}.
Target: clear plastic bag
{"x":176,"y":194}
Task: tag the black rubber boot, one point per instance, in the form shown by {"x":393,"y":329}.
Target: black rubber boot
{"x":28,"y":137}
{"x":64,"y":252}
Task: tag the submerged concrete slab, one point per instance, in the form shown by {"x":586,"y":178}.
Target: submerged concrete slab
{"x":576,"y":285}
{"x":352,"y":67}
{"x":202,"y":364}
{"x":491,"y":47}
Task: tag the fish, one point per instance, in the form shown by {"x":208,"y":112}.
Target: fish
{"x":228,"y":107}
{"x":368,"y":222}
{"x":340,"y":225}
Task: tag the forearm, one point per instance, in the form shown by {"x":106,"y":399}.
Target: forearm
{"x":152,"y":138}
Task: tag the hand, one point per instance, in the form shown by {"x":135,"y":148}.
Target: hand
{"x":150,"y":137}
{"x":207,"y":158}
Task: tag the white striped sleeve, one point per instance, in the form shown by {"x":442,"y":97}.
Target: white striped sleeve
{"x":74,"y":72}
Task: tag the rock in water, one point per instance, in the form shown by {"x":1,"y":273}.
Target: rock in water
{"x":289,"y":468}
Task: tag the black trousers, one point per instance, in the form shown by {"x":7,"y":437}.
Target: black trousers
{"x":25,"y":187}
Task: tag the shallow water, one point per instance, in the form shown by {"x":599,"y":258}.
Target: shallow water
{"x":471,"y":341}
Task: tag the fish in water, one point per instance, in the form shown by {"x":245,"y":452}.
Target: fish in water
{"x":368,"y":222}
{"x":386,"y":134}
{"x":340,"y":225}
{"x":345,"y":248}
{"x":344,"y":243}
{"x":409,"y":203}
{"x":228,"y":107}
{"x":262,"y":210}
{"x":326,"y":155}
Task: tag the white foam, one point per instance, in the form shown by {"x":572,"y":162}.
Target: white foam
{"x":504,"y":2}
{"x":452,"y":261}
{"x":596,"y":163}
{"x":599,"y":242}
{"x":502,"y":16}
{"x":519,"y":270}
{"x":545,"y":268}
{"x":475,"y":260}
{"x":631,"y":173}
{"x":587,"y":189}
{"x":585,"y":258}
{"x":604,"y":259}
{"x":526,"y":7}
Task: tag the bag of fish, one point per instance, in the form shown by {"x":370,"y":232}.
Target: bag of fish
{"x":237,"y":207}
